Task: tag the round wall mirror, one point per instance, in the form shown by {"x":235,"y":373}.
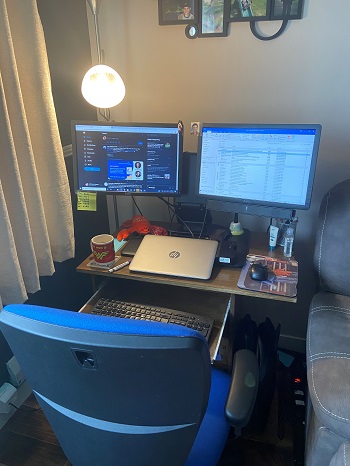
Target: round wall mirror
{"x":192,"y":31}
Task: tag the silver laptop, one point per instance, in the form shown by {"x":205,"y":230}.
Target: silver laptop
{"x":171,"y":255}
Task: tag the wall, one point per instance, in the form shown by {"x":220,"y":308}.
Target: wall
{"x":300,"y":77}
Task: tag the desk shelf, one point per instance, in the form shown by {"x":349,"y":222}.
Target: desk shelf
{"x":222,"y":280}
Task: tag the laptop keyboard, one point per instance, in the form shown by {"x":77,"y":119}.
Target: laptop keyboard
{"x":128,"y":310}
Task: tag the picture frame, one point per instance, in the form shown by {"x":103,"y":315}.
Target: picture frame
{"x":178,"y":12}
{"x":249,"y":10}
{"x":278,"y":9}
{"x":213,"y":18}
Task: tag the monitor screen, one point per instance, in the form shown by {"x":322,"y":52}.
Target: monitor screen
{"x":127,"y":158}
{"x":260,"y":165}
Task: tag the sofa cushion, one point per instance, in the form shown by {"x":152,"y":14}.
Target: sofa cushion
{"x":342,"y":457}
{"x":321,"y":443}
{"x":328,"y":360}
{"x":332,"y":240}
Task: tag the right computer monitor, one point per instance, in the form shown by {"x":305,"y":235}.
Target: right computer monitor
{"x":260,"y":169}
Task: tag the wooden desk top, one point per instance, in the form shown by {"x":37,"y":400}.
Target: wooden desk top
{"x":223,"y":279}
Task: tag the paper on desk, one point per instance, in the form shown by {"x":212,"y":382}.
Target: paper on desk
{"x":105,"y":266}
{"x":118,"y":244}
{"x":284,"y":279}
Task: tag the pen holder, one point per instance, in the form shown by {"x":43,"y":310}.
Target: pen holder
{"x":282,"y":228}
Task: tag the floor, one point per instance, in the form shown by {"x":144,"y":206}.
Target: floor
{"x":28,"y":440}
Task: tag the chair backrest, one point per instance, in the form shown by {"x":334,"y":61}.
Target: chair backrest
{"x":332,"y":251}
{"x":115,"y":391}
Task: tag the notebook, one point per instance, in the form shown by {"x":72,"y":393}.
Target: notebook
{"x":177,"y":256}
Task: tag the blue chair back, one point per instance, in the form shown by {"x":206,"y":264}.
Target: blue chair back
{"x":115,"y":391}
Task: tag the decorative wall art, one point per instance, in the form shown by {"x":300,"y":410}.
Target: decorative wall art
{"x":211,"y":18}
{"x":177,"y":12}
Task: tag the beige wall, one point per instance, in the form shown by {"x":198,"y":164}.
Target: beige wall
{"x":301,"y":77}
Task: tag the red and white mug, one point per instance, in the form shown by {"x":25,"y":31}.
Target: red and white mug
{"x":102,"y":247}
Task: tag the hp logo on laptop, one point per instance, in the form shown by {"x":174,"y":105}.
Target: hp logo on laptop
{"x":174,"y":254}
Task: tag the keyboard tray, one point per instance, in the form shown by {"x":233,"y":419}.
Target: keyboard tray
{"x":128,"y":310}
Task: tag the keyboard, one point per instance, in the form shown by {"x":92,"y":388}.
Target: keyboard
{"x":128,"y":310}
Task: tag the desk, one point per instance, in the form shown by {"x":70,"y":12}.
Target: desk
{"x":214,"y":297}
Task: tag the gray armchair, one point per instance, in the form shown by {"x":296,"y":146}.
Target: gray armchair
{"x":328,"y":336}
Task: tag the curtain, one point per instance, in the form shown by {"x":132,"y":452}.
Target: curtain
{"x":36,"y":221}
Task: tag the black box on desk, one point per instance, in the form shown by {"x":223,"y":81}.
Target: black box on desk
{"x":232,"y":251}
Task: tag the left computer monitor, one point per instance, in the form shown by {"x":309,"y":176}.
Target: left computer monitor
{"x":127,"y":158}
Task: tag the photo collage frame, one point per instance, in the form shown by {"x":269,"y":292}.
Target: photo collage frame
{"x":211,"y":18}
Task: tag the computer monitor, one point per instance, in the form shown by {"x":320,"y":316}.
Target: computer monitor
{"x":127,"y":158}
{"x":259,"y":169}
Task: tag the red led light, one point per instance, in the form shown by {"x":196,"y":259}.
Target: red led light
{"x":297,"y":380}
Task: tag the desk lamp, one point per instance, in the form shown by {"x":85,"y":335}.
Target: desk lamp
{"x":102,"y":86}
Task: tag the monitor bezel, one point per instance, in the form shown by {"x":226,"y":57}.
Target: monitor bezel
{"x":248,"y":205}
{"x":74,"y":123}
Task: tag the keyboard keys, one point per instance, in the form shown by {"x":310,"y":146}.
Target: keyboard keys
{"x":126,"y":310}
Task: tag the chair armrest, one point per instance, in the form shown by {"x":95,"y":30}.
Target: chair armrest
{"x":244,"y":386}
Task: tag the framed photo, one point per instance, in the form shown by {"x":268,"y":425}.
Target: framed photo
{"x":279,"y":9}
{"x":177,"y":11}
{"x":214,"y":16}
{"x":249,"y":10}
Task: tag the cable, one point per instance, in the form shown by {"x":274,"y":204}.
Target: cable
{"x":179,"y":218}
{"x":171,"y":213}
{"x":137,"y":207}
{"x":106,"y":114}
{"x":204,"y":219}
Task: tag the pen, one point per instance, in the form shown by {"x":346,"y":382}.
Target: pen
{"x":118,"y":267}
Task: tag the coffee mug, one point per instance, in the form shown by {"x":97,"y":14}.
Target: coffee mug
{"x":102,"y":247}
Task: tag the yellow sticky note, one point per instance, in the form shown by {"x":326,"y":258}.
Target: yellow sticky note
{"x":86,"y":201}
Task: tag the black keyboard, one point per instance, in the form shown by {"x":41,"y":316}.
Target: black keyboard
{"x":127,"y":310}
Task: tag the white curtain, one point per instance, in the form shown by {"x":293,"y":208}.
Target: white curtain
{"x":36,"y":222}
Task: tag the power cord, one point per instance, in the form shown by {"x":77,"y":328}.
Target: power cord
{"x":172,"y":208}
{"x":106,"y":114}
{"x":136,"y":205}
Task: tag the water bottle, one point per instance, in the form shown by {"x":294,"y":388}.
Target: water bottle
{"x":288,"y":243}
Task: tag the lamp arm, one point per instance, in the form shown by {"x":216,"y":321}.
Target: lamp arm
{"x":95,"y":6}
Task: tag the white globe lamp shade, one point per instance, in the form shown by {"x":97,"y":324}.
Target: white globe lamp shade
{"x":103,"y":87}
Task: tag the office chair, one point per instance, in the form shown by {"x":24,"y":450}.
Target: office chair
{"x":328,"y":336}
{"x":126,"y":392}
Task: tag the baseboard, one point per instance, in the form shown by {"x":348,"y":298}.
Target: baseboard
{"x":292,"y":343}
{"x":22,"y":394}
